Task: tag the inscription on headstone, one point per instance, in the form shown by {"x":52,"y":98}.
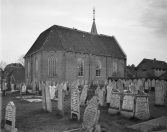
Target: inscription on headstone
{"x":75,"y":104}
{"x":115,"y":101}
{"x":91,"y":115}
{"x":142,"y":108}
{"x":128,"y":106}
{"x":128,"y":103}
{"x":10,"y":117}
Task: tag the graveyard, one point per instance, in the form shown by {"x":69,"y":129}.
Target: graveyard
{"x":58,"y":116}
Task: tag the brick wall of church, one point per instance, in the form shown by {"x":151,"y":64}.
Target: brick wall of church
{"x":66,"y":66}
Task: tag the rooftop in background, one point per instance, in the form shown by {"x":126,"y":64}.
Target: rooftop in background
{"x":12,"y":66}
{"x":154,"y":64}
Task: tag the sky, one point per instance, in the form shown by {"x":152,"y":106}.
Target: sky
{"x":140,"y":26}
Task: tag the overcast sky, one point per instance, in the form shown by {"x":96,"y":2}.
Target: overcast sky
{"x":140,"y":26}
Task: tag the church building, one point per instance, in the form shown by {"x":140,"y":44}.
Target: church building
{"x":67,"y":54}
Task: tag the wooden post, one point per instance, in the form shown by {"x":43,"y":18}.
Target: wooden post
{"x":21,"y":99}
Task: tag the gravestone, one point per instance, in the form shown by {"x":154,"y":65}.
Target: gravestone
{"x":120,"y":85}
{"x":142,"y":108}
{"x":48,"y":100}
{"x":75,"y":103}
{"x":109,"y":89}
{"x":127,"y":109}
{"x":115,"y":103}
{"x":153,"y":83}
{"x":43,"y":96}
{"x":91,"y":115}
{"x":10,"y":117}
{"x":23,"y":88}
{"x":83,"y":95}
{"x":12,"y":87}
{"x":61,"y":100}
{"x":132,"y":88}
{"x":146,"y":86}
{"x":101,"y":96}
{"x":159,"y":94}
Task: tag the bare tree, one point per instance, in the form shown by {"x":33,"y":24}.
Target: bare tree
{"x":21,"y":59}
{"x":3,"y":64}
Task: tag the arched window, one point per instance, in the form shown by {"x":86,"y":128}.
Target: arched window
{"x":98,"y":68}
{"x":114,"y":69}
{"x":52,"y":66}
{"x":36,"y":67}
{"x":28,"y":68}
{"x":80,"y":66}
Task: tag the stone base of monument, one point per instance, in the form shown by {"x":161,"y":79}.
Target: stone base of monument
{"x":127,"y":114}
{"x":9,"y":129}
{"x":151,"y":125}
{"x":112,"y":111}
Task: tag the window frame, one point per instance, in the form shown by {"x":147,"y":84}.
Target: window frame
{"x":115,"y":69}
{"x":28,"y":68}
{"x":52,"y":61}
{"x":80,"y":67}
{"x":36,"y":67}
{"x":98,"y":71}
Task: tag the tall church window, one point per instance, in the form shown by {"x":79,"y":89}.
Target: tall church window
{"x":80,"y":67}
{"x":98,"y":68}
{"x":28,"y":67}
{"x":52,"y":66}
{"x":115,"y":68}
{"x":36,"y":67}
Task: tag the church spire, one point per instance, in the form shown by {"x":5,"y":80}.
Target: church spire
{"x":94,"y":30}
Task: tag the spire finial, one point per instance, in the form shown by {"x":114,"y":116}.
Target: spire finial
{"x":94,"y":14}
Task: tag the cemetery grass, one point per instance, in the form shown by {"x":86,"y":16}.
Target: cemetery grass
{"x":30,"y":117}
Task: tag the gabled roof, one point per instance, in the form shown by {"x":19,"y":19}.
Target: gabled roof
{"x":58,"y":38}
{"x":154,"y":64}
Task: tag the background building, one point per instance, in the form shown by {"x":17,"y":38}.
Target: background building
{"x":151,"y":68}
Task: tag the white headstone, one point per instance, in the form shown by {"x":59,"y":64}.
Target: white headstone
{"x":114,"y":103}
{"x":146,"y":85}
{"x":61,"y":99}
{"x":142,"y":108}
{"x":109,"y":89}
{"x":128,"y":106}
{"x":159,"y":94}
{"x":10,"y":117}
{"x":83,"y":95}
{"x":48,"y":100}
{"x":101,"y":96}
{"x":75,"y":103}
{"x":153,"y":83}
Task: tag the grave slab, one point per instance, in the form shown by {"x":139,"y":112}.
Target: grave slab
{"x":151,"y":124}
